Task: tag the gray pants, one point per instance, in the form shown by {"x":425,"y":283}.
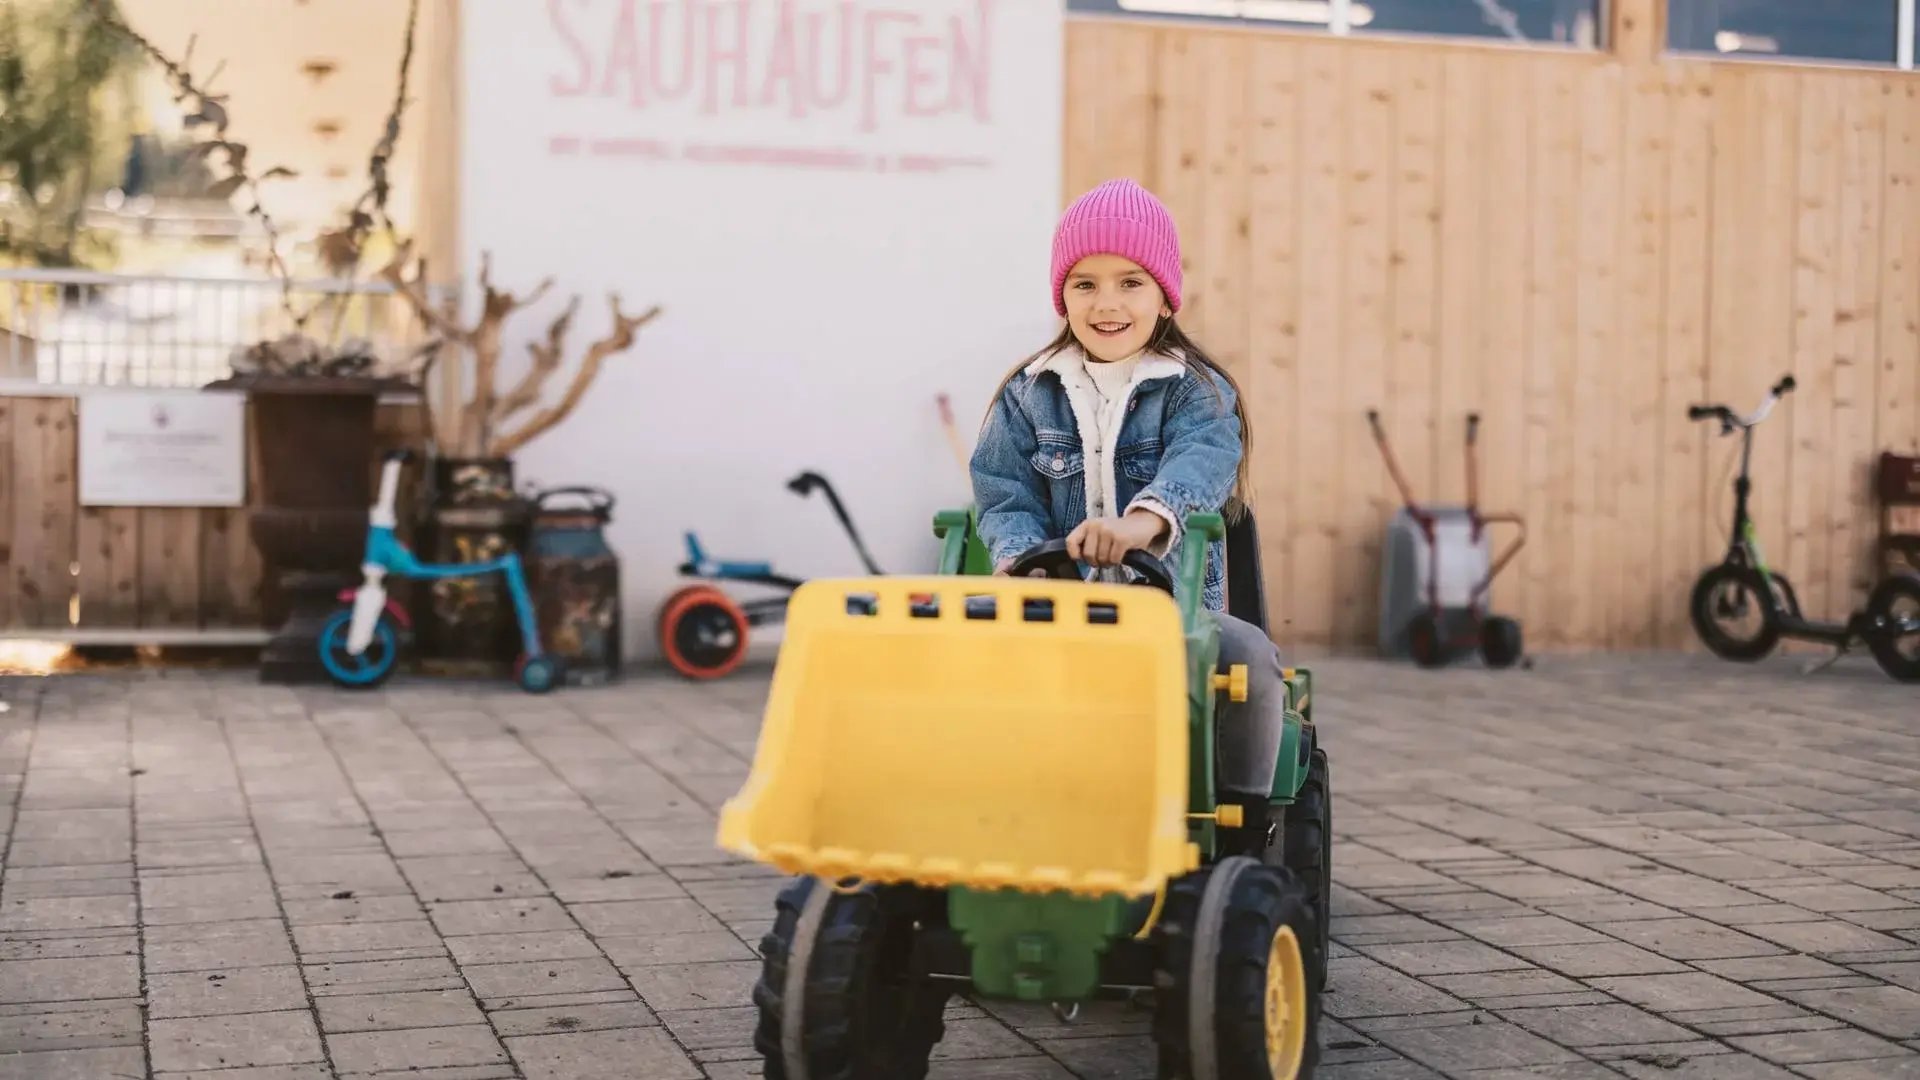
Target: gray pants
{"x":1249,"y":731}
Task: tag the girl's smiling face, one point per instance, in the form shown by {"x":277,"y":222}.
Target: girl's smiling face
{"x":1112,"y":306}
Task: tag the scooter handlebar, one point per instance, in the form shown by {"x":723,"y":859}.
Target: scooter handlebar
{"x":1731,"y":419}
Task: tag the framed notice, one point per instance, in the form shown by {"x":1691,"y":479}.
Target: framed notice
{"x":163,"y":448}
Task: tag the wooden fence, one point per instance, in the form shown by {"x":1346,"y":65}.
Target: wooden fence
{"x":123,"y":575}
{"x":1577,"y":245}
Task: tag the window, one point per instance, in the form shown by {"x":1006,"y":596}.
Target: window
{"x":1549,"y":21}
{"x":1565,"y":22}
{"x":1296,"y":14}
{"x":1848,"y":31}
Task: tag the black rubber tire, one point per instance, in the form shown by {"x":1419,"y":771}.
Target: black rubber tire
{"x":1887,"y":650}
{"x":685,"y":626}
{"x":1500,"y":641}
{"x":1423,"y":640}
{"x":866,"y":1017}
{"x":1258,"y":901}
{"x":660,"y":616}
{"x":1719,"y":644}
{"x":1307,"y":847}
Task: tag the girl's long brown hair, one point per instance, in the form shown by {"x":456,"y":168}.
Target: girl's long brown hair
{"x":1170,"y":341}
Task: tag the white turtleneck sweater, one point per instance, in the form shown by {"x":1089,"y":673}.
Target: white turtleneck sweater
{"x":1112,"y":382}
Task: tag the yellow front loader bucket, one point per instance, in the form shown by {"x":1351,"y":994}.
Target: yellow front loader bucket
{"x":987,"y":732}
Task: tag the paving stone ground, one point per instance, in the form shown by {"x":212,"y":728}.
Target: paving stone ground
{"x":1653,"y":867}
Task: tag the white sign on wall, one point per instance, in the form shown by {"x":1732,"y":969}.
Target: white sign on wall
{"x":162,"y":448}
{"x":843,"y":208}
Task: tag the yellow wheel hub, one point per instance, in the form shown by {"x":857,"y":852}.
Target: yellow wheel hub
{"x":1286,"y":1005}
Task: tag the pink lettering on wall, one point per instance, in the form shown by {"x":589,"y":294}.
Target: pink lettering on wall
{"x":890,"y":61}
{"x":841,"y":159}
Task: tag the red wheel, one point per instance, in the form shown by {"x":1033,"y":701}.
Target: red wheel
{"x":660,"y":619}
{"x":703,"y":633}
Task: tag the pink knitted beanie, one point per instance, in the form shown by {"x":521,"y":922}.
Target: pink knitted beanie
{"x":1118,"y":218}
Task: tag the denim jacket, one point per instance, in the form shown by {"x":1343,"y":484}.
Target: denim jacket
{"x":1176,"y":452}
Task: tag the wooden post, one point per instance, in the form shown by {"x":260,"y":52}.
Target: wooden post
{"x":1637,"y":29}
{"x":437,"y":194}
{"x":436,"y":139}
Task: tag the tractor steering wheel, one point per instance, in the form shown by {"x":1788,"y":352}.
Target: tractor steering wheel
{"x":1052,"y":557}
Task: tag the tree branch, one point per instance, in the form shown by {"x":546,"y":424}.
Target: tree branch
{"x":619,"y":339}
{"x":210,"y":110}
{"x":546,"y":361}
{"x":476,"y":428}
{"x":413,"y":290}
{"x":343,"y":246}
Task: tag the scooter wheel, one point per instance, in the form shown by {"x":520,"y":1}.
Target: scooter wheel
{"x":374,"y":664}
{"x":1727,"y":591}
{"x":704,"y":633}
{"x":537,"y":674}
{"x":1894,"y":612}
{"x":1423,"y":641}
{"x":1500,"y":641}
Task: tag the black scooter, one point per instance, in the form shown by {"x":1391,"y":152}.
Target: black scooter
{"x":1741,"y":585}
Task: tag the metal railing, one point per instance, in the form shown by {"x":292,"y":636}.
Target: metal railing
{"x":83,"y":328}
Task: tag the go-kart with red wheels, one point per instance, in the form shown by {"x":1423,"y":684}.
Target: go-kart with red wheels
{"x":703,"y":630}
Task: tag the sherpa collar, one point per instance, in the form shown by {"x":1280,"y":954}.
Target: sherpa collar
{"x":1070,"y":360}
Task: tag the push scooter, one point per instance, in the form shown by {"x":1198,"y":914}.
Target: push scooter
{"x":360,"y":643}
{"x":1741,"y":585}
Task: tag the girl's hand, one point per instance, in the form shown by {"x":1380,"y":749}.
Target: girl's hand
{"x":1106,"y":541}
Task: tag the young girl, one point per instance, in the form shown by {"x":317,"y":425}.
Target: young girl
{"x":1117,"y":430}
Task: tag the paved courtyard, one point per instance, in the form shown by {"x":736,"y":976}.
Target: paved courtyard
{"x":1652,"y":867}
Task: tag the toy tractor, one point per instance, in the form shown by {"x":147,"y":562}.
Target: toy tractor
{"x":1004,"y":787}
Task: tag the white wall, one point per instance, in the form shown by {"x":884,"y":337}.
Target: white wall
{"x":812,"y":311}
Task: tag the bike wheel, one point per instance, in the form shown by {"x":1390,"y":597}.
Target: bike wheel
{"x":1726,"y":594}
{"x":536,"y":674}
{"x":1894,"y":612}
{"x":374,"y":664}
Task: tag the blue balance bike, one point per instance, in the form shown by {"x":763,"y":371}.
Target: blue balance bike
{"x":360,"y":643}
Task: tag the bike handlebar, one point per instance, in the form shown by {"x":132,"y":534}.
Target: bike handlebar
{"x":1730,"y":420}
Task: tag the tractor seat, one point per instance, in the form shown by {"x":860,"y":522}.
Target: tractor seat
{"x":1246,"y":587}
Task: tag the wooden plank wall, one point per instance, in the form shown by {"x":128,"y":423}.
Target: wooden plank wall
{"x":1576,"y":246}
{"x":94,"y":568}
